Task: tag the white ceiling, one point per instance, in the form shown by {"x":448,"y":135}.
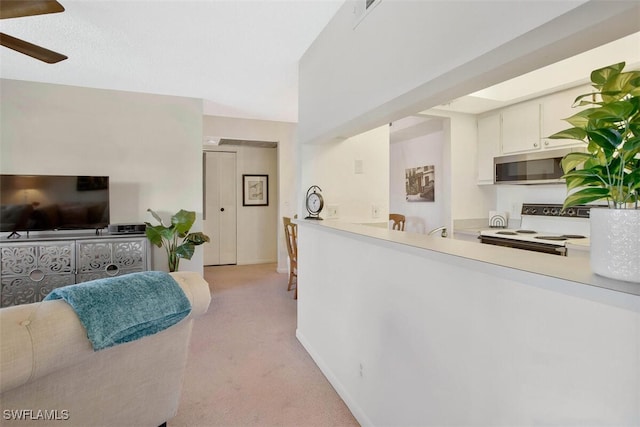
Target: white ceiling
{"x":239,"y":56}
{"x":565,"y":74}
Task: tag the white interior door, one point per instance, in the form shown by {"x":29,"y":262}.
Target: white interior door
{"x":220,"y":208}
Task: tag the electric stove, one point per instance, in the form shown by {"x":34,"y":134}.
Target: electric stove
{"x":544,"y":228}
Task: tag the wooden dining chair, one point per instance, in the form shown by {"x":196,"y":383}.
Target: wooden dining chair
{"x":291,"y":237}
{"x":398,"y":221}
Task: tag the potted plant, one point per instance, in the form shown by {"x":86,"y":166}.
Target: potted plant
{"x":175,"y":238}
{"x":609,"y":170}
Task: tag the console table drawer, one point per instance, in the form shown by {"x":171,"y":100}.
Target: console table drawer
{"x":99,"y":258}
{"x":29,"y":271}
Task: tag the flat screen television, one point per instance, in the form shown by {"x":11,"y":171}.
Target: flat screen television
{"x":53,"y":202}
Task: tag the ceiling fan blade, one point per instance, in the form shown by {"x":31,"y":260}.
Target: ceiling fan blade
{"x":34,"y":51}
{"x":19,"y":8}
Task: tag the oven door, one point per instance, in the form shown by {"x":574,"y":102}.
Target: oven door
{"x":520,"y":244}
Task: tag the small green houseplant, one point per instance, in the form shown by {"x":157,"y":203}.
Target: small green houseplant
{"x":609,"y":169}
{"x":610,"y":128}
{"x":175,"y":238}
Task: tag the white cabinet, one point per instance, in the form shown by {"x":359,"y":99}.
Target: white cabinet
{"x":524,"y":128}
{"x":521,"y":128}
{"x":555,"y":108}
{"x":488,"y":146}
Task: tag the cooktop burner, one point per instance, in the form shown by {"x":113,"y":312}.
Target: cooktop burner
{"x":526,"y":231}
{"x":508,"y":233}
{"x":574,"y":236}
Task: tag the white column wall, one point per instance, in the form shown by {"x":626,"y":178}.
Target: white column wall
{"x":413,"y":337}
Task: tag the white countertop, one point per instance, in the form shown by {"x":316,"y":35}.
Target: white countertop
{"x":574,"y":269}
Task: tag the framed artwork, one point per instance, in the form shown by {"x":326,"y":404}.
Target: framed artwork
{"x":420,"y":184}
{"x":255,"y":190}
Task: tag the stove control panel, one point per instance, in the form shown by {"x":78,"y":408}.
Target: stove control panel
{"x":544,"y":209}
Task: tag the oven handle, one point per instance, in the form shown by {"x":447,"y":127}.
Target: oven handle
{"x":521,"y":244}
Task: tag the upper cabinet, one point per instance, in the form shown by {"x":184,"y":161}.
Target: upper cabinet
{"x":521,"y":128}
{"x":525,"y":128}
{"x":556,"y":108}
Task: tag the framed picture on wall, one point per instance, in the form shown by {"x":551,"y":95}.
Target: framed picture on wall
{"x":255,"y":190}
{"x":420,"y":184}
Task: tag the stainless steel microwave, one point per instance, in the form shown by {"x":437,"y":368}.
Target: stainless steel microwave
{"x":541,"y":167}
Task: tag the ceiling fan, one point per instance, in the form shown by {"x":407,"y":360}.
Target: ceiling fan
{"x":22,"y":8}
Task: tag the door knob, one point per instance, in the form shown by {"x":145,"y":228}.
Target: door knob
{"x":221,"y":209}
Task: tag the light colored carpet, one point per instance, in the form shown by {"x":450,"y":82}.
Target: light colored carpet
{"x":246,"y":367}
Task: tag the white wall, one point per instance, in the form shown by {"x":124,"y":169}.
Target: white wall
{"x":415,"y":152}
{"x":331,"y":166}
{"x":280,"y":164}
{"x":430,"y":52}
{"x":464,"y":199}
{"x":468,"y":199}
{"x":412,"y":337}
{"x":458,"y":195}
{"x":148,"y":145}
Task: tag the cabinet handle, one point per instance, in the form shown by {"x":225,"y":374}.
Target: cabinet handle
{"x":221,"y":209}
{"x":111,"y":270}
{"x":546,"y":143}
{"x":535,"y":144}
{"x":36,"y":275}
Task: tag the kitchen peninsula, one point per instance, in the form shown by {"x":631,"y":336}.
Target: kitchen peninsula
{"x":417,"y":330}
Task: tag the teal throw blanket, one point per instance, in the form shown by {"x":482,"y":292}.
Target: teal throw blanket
{"x":124,"y":308}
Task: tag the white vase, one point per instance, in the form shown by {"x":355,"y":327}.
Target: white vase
{"x":615,"y":243}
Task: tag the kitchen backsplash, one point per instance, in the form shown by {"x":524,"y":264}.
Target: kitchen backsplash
{"x":509,"y":198}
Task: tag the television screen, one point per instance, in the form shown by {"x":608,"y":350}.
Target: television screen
{"x":53,"y":202}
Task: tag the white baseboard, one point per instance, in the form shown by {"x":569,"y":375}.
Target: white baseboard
{"x":355,"y":409}
{"x":256,"y":261}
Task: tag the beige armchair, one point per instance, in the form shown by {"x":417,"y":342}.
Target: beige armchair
{"x":49,"y":370}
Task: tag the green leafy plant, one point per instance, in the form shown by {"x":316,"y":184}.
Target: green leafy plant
{"x":175,"y":238}
{"x":610,"y":169}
